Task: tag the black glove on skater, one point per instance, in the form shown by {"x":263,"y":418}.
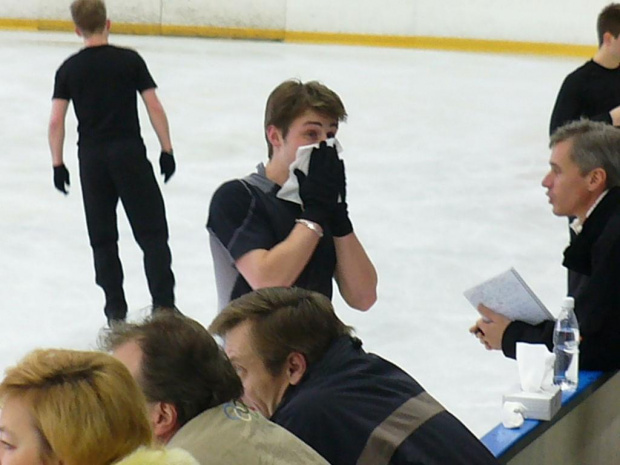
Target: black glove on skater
{"x":167,"y":164}
{"x":319,"y":188}
{"x":61,"y":178}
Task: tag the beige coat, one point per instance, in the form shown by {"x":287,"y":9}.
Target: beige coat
{"x":233,"y":434}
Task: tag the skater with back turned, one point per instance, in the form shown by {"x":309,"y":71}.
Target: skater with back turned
{"x":102,"y":81}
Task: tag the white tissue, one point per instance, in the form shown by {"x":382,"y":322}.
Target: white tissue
{"x":535,"y":364}
{"x":512,"y":414}
{"x":537,"y":398}
{"x":290,"y":189}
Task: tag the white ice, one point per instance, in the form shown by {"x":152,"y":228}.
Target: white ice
{"x":445,"y":153}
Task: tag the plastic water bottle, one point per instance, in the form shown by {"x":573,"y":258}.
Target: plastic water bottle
{"x":566,"y":347}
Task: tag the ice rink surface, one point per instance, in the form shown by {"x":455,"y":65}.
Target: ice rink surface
{"x":444,"y":151}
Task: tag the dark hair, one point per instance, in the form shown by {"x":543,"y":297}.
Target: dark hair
{"x":292,"y":98}
{"x":181,"y":363}
{"x":285,"y":320}
{"x":594,"y":145}
{"x":608,"y":21}
{"x":89,"y":16}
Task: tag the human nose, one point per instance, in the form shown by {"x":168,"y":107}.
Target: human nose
{"x":546,"y":181}
{"x":329,"y":134}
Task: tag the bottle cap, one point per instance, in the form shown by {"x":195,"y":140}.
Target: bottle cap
{"x":568,"y":302}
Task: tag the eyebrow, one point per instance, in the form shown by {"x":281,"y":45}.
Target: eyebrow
{"x":318,"y":123}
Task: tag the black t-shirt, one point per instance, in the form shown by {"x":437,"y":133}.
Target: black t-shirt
{"x":246,"y":215}
{"x":102,"y":82}
{"x":590,"y":91}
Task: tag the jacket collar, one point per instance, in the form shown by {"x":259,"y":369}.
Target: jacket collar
{"x":578,"y":255}
{"x":341,"y":350}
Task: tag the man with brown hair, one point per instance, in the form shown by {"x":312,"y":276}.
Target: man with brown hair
{"x":259,"y":239}
{"x":301,"y":367}
{"x":192,"y":392}
{"x":593,"y":90}
{"x":102,"y":81}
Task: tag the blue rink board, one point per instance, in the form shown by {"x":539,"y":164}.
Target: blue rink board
{"x":501,"y":440}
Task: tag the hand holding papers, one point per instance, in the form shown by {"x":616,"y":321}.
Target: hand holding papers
{"x":508,"y":295}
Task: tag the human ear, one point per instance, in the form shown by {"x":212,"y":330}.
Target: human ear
{"x":274,"y":135}
{"x":598,"y":179}
{"x":296,"y":367}
{"x":163,"y":417}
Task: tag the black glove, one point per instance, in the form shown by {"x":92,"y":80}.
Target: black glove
{"x":340,"y":223}
{"x":167,"y":164}
{"x":61,"y":178}
{"x":319,"y":189}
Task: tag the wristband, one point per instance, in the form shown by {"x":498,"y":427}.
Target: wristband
{"x":310,"y":225}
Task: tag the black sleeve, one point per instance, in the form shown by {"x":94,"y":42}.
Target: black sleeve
{"x":518,"y":331}
{"x":61,"y":85}
{"x":602,"y":117}
{"x":144,"y":80}
{"x":237,"y":222}
{"x":568,"y":105}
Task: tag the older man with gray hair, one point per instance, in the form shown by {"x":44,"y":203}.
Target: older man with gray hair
{"x":584,"y":183}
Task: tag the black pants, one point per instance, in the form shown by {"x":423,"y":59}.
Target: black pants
{"x":116,"y":170}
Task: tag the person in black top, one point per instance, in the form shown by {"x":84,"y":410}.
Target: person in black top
{"x":102,"y":80}
{"x":583,"y":182}
{"x":302,"y":368}
{"x":260,"y":238}
{"x":592,"y":91}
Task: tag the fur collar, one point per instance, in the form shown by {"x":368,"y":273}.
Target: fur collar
{"x":147,"y":456}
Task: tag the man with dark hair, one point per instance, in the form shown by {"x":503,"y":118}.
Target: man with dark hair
{"x":593,"y":90}
{"x":260,"y":239}
{"x":192,"y":392}
{"x":584,"y":183}
{"x":102,"y":81}
{"x":301,"y":367}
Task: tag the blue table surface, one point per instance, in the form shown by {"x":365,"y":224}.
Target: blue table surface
{"x":500,"y":439}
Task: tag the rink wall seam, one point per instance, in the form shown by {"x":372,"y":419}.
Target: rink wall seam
{"x":419,"y":42}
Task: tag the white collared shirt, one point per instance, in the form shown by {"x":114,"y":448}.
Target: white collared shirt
{"x":577,"y":225}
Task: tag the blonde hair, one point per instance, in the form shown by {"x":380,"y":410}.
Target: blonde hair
{"x":85,"y":405}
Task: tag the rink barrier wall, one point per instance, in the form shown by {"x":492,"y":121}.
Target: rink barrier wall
{"x":418,"y":42}
{"x":584,"y":431}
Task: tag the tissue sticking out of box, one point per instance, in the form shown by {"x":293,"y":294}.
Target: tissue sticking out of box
{"x":539,"y":399}
{"x":535,"y":364}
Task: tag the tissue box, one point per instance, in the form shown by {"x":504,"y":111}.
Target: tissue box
{"x":541,"y":405}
